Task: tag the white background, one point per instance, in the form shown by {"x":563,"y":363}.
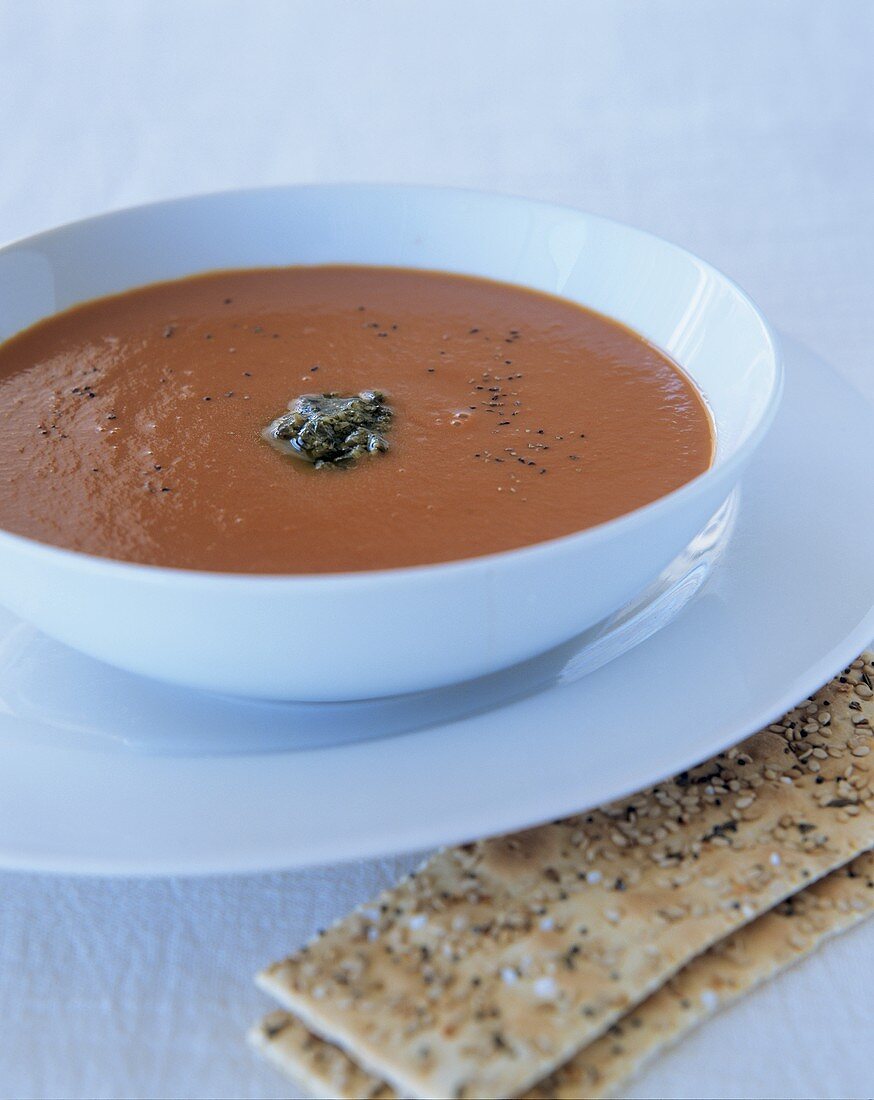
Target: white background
{"x":743,"y":130}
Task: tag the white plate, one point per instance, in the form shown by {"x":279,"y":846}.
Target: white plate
{"x":790,"y":602}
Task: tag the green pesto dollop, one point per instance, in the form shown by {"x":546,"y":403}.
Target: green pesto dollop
{"x":332,"y":429}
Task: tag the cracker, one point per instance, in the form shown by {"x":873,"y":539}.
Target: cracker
{"x":736,"y":965}
{"x":499,"y":960}
{"x":746,"y":959}
{"x":323,"y":1070}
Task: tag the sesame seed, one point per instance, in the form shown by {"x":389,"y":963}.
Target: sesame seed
{"x":545,"y":988}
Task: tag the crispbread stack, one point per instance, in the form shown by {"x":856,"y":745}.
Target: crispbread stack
{"x":499,"y":961}
{"x":746,"y":959}
{"x":324,"y":1070}
{"x":734,"y":966}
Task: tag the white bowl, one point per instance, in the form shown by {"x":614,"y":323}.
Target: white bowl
{"x":430,"y":625}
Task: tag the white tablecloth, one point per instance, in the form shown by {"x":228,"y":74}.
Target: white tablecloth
{"x":744,"y":130}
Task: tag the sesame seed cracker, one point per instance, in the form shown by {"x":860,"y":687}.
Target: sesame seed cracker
{"x":746,"y":959}
{"x":682,"y":865}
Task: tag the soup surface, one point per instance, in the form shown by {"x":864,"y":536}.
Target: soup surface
{"x":132,"y":425}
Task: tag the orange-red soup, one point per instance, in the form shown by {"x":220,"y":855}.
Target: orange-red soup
{"x":131,"y":426}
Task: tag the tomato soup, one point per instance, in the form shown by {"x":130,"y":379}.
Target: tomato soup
{"x":138,"y":426}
